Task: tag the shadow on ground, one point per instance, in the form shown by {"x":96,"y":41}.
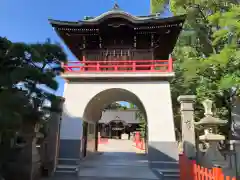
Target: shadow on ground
{"x":115,"y":164}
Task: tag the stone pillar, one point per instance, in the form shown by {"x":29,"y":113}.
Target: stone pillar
{"x":236,"y":159}
{"x":188,"y":130}
{"x":53,"y":136}
{"x":236,"y":119}
{"x":91,"y":137}
{"x":96,"y":137}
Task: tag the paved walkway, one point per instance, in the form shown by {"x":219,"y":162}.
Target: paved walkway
{"x":117,"y":160}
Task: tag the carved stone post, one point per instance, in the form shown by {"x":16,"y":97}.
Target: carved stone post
{"x":187,"y":121}
{"x":52,"y":139}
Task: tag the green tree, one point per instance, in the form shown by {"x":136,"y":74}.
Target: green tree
{"x":142,"y":123}
{"x":115,"y":106}
{"x":142,"y":120}
{"x":27,"y":73}
{"x":207,"y":53}
{"x":132,"y":106}
{"x":157,"y":6}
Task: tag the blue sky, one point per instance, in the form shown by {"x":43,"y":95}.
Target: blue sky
{"x":27,"y":20}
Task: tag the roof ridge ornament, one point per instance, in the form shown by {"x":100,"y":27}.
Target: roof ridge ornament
{"x":116,"y":6}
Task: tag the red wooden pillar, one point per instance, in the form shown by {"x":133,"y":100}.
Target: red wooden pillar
{"x":137,"y":139}
{"x":170,"y":64}
{"x":98,"y":66}
{"x":137,"y":136}
{"x":84,"y":63}
{"x":134,"y":66}
{"x":115,"y":67}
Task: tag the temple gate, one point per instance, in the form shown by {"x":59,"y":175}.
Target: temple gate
{"x":121,"y":58}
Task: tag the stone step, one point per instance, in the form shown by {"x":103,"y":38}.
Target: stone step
{"x":74,"y":177}
{"x":164,"y":165}
{"x":96,"y":164}
{"x":68,"y":161}
{"x":59,"y":174}
{"x":66,"y":169}
{"x":65,"y":172}
{"x":169,"y":174}
{"x":112,"y":178}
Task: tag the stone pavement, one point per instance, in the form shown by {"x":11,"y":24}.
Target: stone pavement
{"x":117,"y":160}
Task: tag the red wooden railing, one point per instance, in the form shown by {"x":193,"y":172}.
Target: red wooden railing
{"x":119,"y":66}
{"x":189,"y":170}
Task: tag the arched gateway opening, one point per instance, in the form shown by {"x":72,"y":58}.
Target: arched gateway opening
{"x":116,"y":126}
{"x":96,"y":105}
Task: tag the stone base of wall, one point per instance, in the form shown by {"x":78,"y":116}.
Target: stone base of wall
{"x":70,"y":149}
{"x":163,"y":155}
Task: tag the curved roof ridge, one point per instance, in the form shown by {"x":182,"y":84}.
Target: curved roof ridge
{"x":113,"y":12}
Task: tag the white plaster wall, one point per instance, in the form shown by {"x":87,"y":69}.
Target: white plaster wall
{"x":155,"y":97}
{"x":71,"y":127}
